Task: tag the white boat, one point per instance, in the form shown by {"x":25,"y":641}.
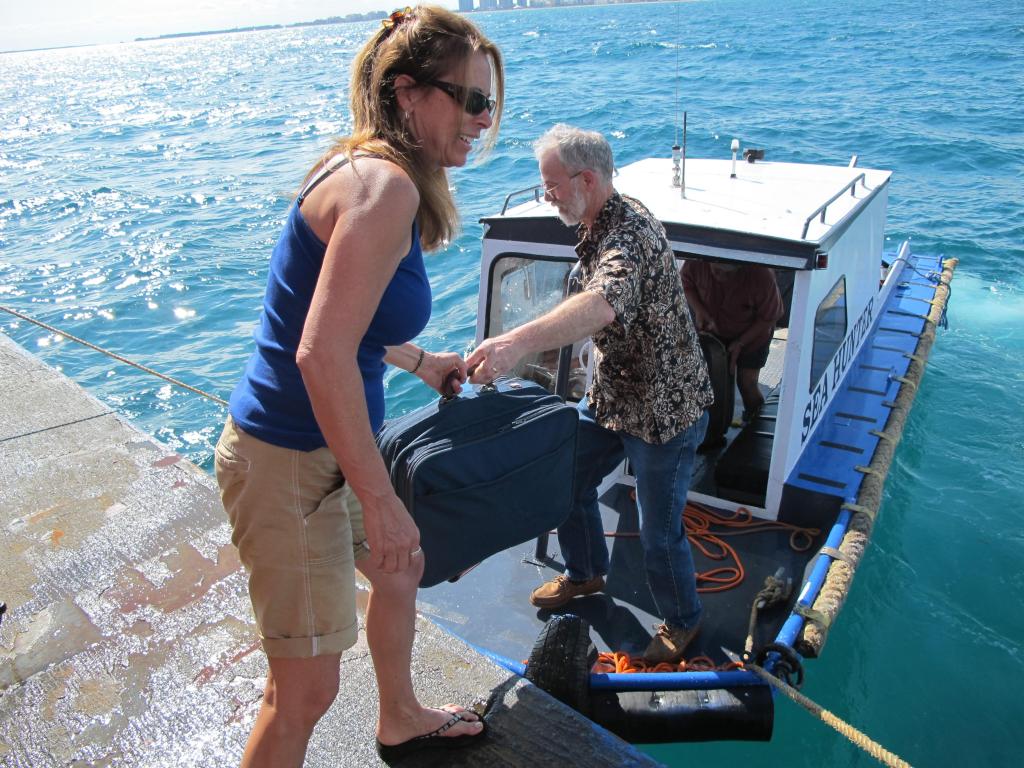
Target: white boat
{"x":845,"y":362}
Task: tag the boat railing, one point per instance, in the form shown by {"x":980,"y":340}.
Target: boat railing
{"x":850,"y":185}
{"x":536,"y":189}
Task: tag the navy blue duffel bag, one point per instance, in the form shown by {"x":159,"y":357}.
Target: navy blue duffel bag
{"x":485,"y":470}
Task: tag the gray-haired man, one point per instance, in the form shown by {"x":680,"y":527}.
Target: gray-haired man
{"x":650,"y":384}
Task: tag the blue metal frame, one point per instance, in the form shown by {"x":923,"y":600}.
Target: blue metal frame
{"x":843,"y":440}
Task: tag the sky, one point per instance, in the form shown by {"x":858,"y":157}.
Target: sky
{"x":27,"y":24}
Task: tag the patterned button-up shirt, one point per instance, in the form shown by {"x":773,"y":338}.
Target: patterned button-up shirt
{"x":650,"y":378}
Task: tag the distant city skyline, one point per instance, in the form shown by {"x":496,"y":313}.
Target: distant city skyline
{"x":67,"y":23}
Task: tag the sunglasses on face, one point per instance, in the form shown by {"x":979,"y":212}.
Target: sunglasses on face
{"x":474,"y":103}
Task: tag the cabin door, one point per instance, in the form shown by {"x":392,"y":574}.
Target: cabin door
{"x":520,"y":287}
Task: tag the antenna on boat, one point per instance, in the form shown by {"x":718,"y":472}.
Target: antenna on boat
{"x":735,"y":147}
{"x":679,"y":153}
{"x":682,"y":174}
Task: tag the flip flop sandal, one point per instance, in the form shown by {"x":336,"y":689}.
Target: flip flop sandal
{"x":433,"y":740}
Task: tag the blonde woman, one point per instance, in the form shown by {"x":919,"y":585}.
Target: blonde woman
{"x":305,"y":489}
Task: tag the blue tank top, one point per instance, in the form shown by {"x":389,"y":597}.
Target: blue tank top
{"x":271,"y":402}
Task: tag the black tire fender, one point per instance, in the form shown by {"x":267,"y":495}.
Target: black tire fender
{"x":561,"y":660}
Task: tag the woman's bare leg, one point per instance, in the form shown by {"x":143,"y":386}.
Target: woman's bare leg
{"x":298,"y":693}
{"x":390,"y":626}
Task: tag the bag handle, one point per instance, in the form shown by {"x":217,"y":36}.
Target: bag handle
{"x":448,"y":387}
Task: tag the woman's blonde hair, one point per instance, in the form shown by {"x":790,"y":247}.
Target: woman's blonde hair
{"x":422,"y":42}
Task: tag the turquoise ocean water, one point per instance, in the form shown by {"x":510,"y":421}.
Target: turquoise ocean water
{"x":142,"y":186}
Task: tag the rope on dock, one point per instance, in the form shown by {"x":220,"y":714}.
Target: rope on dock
{"x":117,"y":357}
{"x":840,"y":574}
{"x":857,"y":737}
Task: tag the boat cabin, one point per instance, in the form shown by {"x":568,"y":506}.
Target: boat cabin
{"x":855,"y":325}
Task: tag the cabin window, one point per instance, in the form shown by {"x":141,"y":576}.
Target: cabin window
{"x":523,"y":288}
{"x":829,"y":330}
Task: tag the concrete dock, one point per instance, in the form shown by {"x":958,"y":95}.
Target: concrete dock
{"x":129,"y":639}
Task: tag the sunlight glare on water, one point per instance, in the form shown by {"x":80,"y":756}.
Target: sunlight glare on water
{"x":143,"y":186}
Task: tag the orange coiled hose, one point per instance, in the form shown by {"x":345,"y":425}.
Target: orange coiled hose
{"x":617,"y":662}
{"x":705,"y":529}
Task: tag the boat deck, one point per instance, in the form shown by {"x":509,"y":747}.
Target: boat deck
{"x":489,"y":607}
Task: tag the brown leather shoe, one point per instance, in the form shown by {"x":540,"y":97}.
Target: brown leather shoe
{"x":560,"y":590}
{"x":669,"y":644}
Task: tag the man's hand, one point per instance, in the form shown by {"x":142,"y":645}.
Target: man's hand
{"x":579,"y":316}
{"x":734,"y":351}
{"x":494,"y":357}
{"x":704,"y":322}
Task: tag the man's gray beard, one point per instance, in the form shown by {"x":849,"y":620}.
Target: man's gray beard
{"x":574,"y":213}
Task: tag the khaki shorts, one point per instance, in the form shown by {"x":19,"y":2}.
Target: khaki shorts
{"x":299,"y":531}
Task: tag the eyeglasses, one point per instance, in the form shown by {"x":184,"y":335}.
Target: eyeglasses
{"x":472,"y":100}
{"x":549,"y":191}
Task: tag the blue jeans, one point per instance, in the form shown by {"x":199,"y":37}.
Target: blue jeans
{"x":662,"y":479}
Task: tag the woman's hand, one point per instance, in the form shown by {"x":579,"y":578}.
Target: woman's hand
{"x":391,"y":534}
{"x":435,"y":369}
